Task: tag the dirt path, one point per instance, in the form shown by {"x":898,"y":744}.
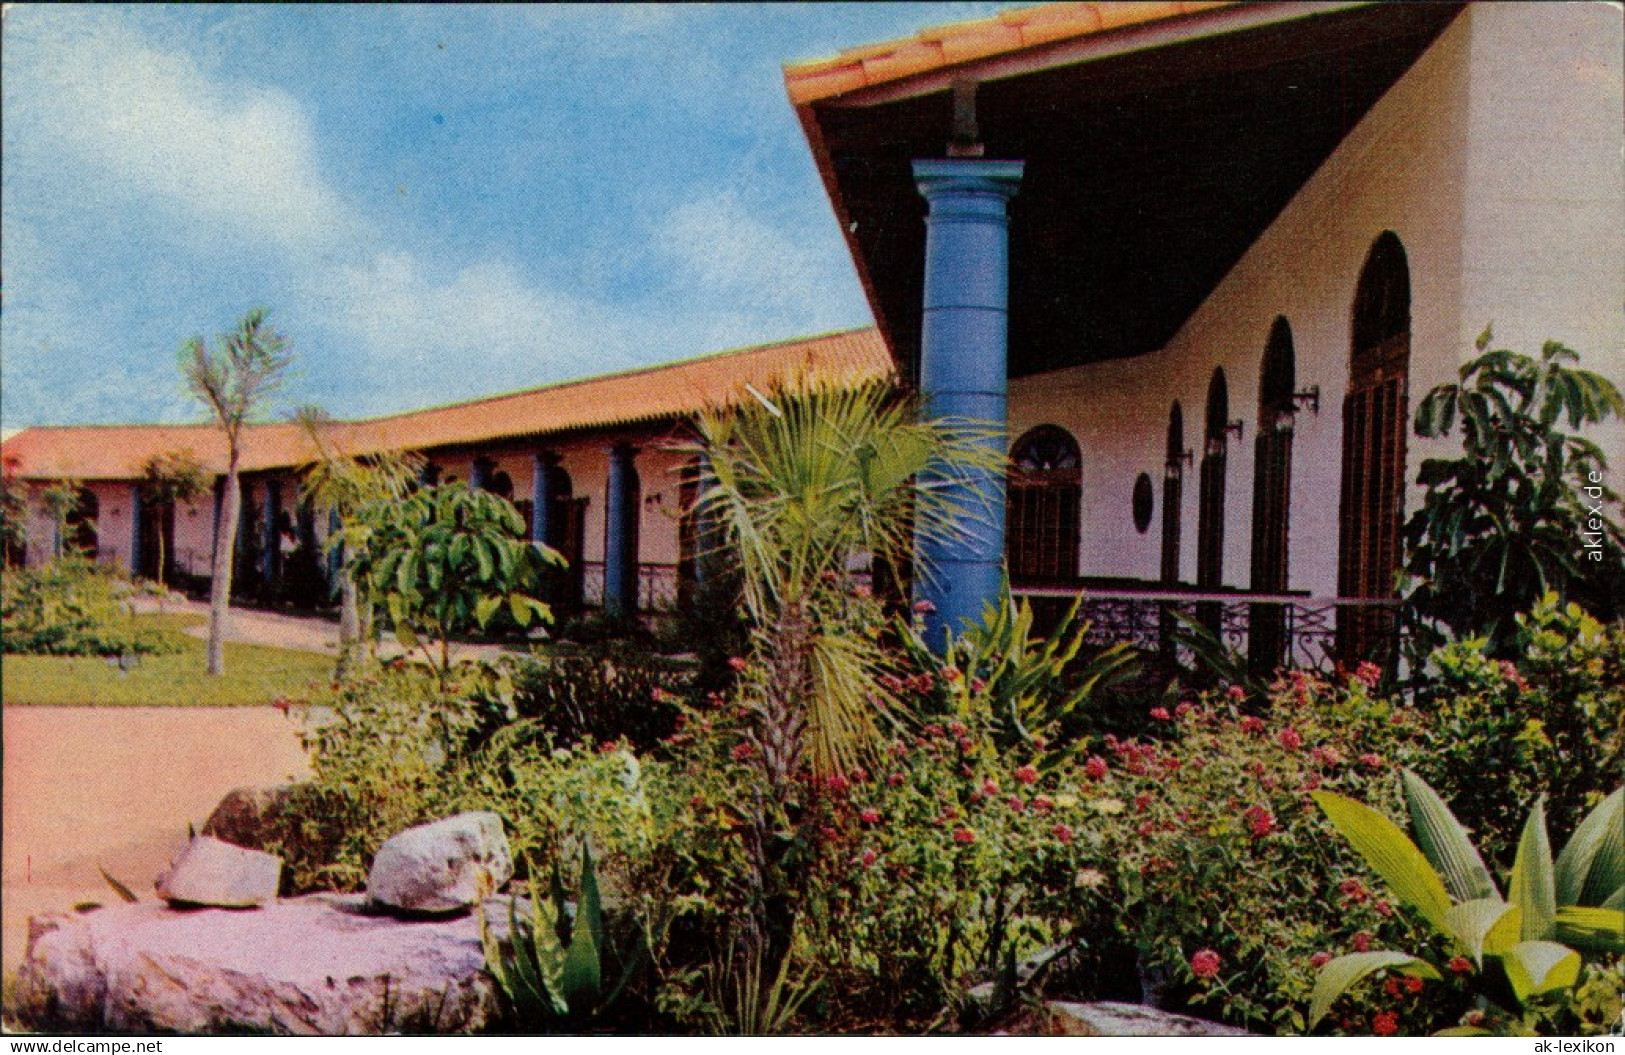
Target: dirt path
{"x":303,"y":633}
{"x":116,"y":787}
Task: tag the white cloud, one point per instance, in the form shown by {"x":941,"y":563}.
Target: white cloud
{"x":467,"y":333}
{"x":153,"y":124}
{"x":726,"y":251}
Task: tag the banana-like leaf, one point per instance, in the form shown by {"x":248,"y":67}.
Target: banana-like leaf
{"x":1616,"y":900}
{"x":1392,"y":856}
{"x":1534,"y":887}
{"x":1485,"y":926}
{"x":1444,"y":842}
{"x":1591,"y":929}
{"x":1536,"y":967}
{"x":1592,"y":865}
{"x":1341,"y":974}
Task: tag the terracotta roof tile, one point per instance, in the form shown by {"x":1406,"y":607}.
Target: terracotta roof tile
{"x":936,"y":49}
{"x":115,"y":452}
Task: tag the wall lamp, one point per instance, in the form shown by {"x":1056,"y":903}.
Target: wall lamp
{"x":1311,"y":396}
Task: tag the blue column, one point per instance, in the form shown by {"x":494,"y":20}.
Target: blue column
{"x":541,"y":495}
{"x":621,"y":534}
{"x":963,"y":374}
{"x":479,"y":474}
{"x":135,"y":530}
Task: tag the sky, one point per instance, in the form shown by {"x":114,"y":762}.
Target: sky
{"x":434,"y":203}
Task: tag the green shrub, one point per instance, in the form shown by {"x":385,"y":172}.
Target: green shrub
{"x":608,"y":692}
{"x":1552,"y":722}
{"x":74,"y":607}
{"x":387,"y":750}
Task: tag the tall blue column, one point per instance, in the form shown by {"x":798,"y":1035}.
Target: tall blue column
{"x":479,"y":474}
{"x":621,"y":534}
{"x":541,"y":495}
{"x":135,"y":531}
{"x":964,"y":376}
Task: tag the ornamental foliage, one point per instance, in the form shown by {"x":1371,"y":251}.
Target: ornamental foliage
{"x":1524,"y":510}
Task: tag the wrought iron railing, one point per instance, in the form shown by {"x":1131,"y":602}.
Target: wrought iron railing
{"x":657,"y":586}
{"x":1271,"y":630}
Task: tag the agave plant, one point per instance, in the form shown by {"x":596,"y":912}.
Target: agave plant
{"x":1531,"y":939}
{"x":1027,"y":682}
{"x":554,"y":972}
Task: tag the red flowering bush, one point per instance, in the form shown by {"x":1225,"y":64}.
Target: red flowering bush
{"x":951,"y":856}
{"x":1218,"y":848}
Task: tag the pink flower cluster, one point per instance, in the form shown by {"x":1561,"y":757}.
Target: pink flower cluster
{"x":1205,"y":964}
{"x":1260,"y":821}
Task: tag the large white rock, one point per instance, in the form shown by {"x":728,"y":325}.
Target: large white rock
{"x":1110,"y":1019}
{"x":317,"y":965}
{"x":211,"y":872}
{"x":438,"y":867}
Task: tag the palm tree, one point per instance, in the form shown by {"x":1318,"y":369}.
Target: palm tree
{"x":340,"y":482}
{"x":797,"y":485}
{"x":800,"y":482}
{"x":246,"y":368}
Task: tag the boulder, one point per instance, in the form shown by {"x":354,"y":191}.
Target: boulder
{"x":1111,"y":1019}
{"x":211,"y":872}
{"x":440,"y":867}
{"x":248,"y":816}
{"x":316,"y":965}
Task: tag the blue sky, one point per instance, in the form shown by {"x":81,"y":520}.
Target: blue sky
{"x":436,"y":203}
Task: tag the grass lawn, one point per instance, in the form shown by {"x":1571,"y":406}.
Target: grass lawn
{"x":255,"y":675}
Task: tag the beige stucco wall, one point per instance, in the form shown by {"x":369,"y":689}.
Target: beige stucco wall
{"x":1497,"y":220}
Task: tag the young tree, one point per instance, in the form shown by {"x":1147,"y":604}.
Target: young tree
{"x":13,"y":519}
{"x":62,"y":500}
{"x":1524,"y":510}
{"x":344,"y":484}
{"x":245,"y":370}
{"x":443,"y":561}
{"x":168,"y":479}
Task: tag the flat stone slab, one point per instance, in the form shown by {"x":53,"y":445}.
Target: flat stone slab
{"x":1112,"y":1019}
{"x":317,"y":965}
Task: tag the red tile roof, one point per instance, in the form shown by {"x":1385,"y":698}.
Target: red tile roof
{"x":931,"y":50}
{"x":661,"y":393}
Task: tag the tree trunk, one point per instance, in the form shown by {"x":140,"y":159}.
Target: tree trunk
{"x":225,"y":544}
{"x":349,"y":620}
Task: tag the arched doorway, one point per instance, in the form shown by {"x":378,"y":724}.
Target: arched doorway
{"x":80,"y":525}
{"x":563,"y":532}
{"x":1210,"y":517}
{"x":1210,"y":500}
{"x":1045,"y":505}
{"x":1375,"y":417}
{"x":1272,"y":483}
{"x":1173,"y":492}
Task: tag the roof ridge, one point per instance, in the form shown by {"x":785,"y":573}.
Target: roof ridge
{"x":635,"y":371}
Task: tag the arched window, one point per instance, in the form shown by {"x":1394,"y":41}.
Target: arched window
{"x":1375,"y":415}
{"x":1210,"y":519}
{"x":565,"y":527}
{"x":1046,"y":486}
{"x":1173,"y":489}
{"x":1272,"y":483}
{"x":501,"y":484}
